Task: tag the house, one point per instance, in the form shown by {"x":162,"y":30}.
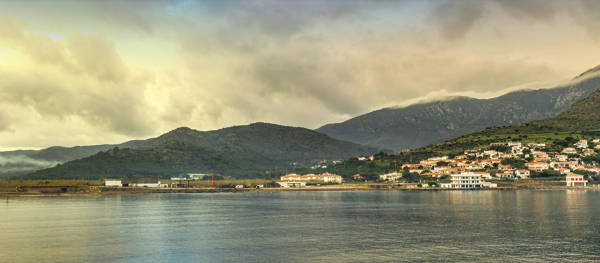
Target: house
{"x":330,"y":178}
{"x":537,"y":166}
{"x":505,"y":167}
{"x":507,"y":175}
{"x":357,"y":177}
{"x":239,"y":186}
{"x":390,"y":176}
{"x":588,"y":152}
{"x":113,"y":183}
{"x":563,"y":170}
{"x":515,"y":144}
{"x":569,"y":150}
{"x":561,"y":157}
{"x":560,"y":164}
{"x":573,"y":180}
{"x":467,"y":181}
{"x":442,"y":169}
{"x":485,"y":175}
{"x":581,"y":144}
{"x":522,"y":173}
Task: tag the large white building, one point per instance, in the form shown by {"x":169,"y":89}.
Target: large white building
{"x":325,"y":177}
{"x":468,"y":181}
{"x":576,"y":180}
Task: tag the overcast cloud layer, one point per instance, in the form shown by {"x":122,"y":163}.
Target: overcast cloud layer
{"x":78,"y":73}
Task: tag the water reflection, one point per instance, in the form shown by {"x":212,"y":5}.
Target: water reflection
{"x":304,"y":226}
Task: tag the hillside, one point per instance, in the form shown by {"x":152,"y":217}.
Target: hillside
{"x":26,"y":161}
{"x":581,"y":119}
{"x":240,"y":151}
{"x":422,"y":124}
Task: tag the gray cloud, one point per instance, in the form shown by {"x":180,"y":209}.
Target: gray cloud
{"x":220,"y":63}
{"x":456,"y":18}
{"x":529,"y":9}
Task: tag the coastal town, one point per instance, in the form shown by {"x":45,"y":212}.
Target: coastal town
{"x":499,"y":165}
{"x":508,"y":160}
{"x":479,"y":168}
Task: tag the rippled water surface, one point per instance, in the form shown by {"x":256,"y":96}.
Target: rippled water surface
{"x":373,"y":226}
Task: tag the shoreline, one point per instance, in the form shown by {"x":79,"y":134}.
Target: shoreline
{"x":130,"y":190}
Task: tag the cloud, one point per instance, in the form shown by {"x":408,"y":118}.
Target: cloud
{"x":17,"y":163}
{"x":456,"y":18}
{"x":103,"y":72}
{"x":83,"y":76}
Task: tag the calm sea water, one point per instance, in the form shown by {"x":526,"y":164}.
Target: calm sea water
{"x":374,"y":226}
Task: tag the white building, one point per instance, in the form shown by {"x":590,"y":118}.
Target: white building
{"x":292,"y":184}
{"x":522,"y":173}
{"x":325,"y":177}
{"x":196,"y":176}
{"x":390,"y":176}
{"x":113,"y":183}
{"x":149,"y":185}
{"x":576,"y":180}
{"x":537,"y":166}
{"x":582,"y":144}
{"x":468,"y":181}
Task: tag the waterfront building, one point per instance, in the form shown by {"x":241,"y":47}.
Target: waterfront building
{"x":288,"y":184}
{"x":113,"y":183}
{"x":468,"y":180}
{"x":325,"y":177}
{"x":573,"y":180}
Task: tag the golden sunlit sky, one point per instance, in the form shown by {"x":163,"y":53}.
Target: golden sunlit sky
{"x":94,"y":72}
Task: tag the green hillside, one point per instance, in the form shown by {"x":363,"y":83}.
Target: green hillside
{"x":255,"y":150}
{"x":581,"y":119}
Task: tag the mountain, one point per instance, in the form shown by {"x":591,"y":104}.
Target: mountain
{"x":240,"y":151}
{"x":26,"y":161}
{"x":582,"y":119}
{"x":427,"y":123}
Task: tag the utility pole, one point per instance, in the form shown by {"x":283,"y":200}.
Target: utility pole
{"x":213,"y":180}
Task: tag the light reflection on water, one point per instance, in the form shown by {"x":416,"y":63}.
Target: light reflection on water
{"x":533,"y":226}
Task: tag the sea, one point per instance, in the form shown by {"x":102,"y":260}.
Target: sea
{"x":307,"y":226}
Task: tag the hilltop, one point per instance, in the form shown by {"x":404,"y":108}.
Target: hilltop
{"x":579,"y":120}
{"x":415,"y":126}
{"x":254,"y":150}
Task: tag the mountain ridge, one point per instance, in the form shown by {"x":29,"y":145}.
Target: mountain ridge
{"x":421,"y":124}
{"x":254,"y":150}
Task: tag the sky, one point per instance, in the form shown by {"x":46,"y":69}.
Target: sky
{"x":95,"y":72}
